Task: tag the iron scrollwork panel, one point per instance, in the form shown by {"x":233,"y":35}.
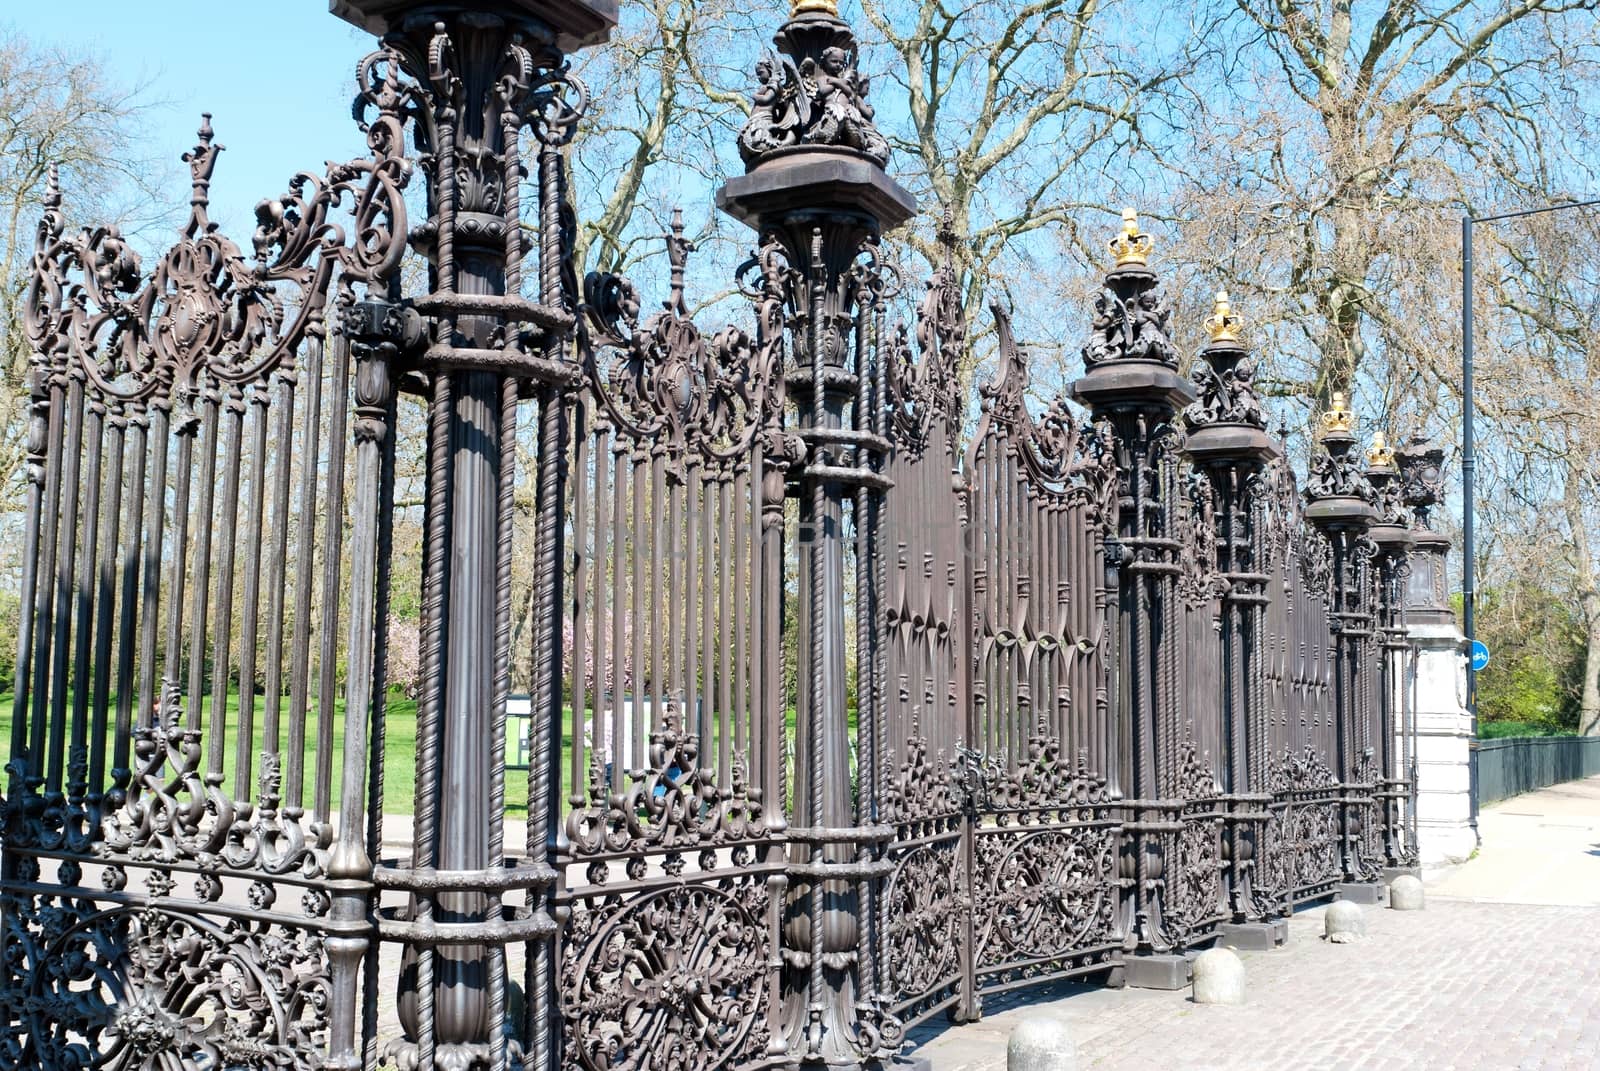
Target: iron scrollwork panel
{"x":677,"y":975}
{"x":1046,"y":873}
{"x":168,"y":571}
{"x":111,"y":979}
{"x":925,"y":909}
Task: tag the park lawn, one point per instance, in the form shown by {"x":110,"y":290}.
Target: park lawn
{"x":1498,"y":730}
{"x":399,"y":765}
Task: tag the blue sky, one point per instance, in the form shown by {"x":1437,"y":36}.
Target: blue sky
{"x":277,"y":74}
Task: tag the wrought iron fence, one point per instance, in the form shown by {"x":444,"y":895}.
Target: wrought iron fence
{"x":1121,"y":688}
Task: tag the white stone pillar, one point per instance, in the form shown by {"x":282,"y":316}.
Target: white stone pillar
{"x":1443,"y":745}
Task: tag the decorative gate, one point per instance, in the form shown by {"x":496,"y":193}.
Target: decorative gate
{"x":1073,"y":690}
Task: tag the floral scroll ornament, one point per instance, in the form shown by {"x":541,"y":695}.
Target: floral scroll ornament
{"x":927,"y":391}
{"x":1068,"y":458}
{"x":149,"y":987}
{"x":207,"y":316}
{"x":659,"y":377}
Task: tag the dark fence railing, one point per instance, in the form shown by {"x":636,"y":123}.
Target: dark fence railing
{"x":1521,"y":764}
{"x":1101,"y":685}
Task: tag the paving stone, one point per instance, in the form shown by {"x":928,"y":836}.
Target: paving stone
{"x":1497,"y":987}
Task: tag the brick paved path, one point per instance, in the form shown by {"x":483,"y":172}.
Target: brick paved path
{"x":1463,"y":985}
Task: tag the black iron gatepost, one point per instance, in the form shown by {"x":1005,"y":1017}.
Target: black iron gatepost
{"x":1392,"y":702}
{"x":1132,"y":384}
{"x":1229,"y":443}
{"x":816,"y":185}
{"x":1342,"y":503}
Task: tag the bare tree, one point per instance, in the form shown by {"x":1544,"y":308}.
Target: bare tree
{"x":1541,"y":356}
{"x":57,"y":109}
{"x":1332,"y":145}
{"x":1018,"y":121}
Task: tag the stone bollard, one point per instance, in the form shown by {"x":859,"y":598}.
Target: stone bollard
{"x":1405,"y":893}
{"x":1344,"y":922}
{"x":1042,"y":1043}
{"x":1218,"y":977}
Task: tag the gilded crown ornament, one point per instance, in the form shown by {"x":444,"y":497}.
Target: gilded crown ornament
{"x":1338,"y":419}
{"x":815,"y":7}
{"x":1224,"y":324}
{"x":1381,"y":454}
{"x":1131,"y":247}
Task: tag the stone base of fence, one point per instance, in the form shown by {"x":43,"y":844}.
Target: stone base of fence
{"x":1444,"y":741}
{"x":1253,"y":936}
{"x":1359,"y":892}
{"x":1156,"y":972}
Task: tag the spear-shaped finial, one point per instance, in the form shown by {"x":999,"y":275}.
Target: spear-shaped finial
{"x":202,"y":161}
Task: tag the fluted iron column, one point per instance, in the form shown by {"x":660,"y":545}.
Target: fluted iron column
{"x":1228,"y":441}
{"x":1341,"y":502}
{"x":1132,"y":382}
{"x":481,"y":73}
{"x":815,"y":181}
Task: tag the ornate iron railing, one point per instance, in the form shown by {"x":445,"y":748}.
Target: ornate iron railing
{"x":1113,"y":686}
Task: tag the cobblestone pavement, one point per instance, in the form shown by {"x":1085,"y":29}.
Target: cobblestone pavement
{"x":1466,"y":985}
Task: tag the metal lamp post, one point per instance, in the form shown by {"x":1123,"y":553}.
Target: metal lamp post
{"x":1469,"y":458}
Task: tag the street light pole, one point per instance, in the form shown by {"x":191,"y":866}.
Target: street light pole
{"x":1469,"y":460}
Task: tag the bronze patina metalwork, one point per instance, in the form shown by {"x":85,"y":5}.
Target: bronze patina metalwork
{"x":1119,"y":688}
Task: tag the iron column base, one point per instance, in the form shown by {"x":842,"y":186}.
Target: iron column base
{"x":1156,"y":972}
{"x":1253,"y":936}
{"x":1359,"y":892}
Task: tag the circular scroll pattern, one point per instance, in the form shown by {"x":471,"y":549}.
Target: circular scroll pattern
{"x":923,"y":908}
{"x":136,"y":989}
{"x":1048,"y":891}
{"x":676,"y":978}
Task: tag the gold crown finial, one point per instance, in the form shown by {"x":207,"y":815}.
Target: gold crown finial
{"x":1224,"y":323}
{"x":1130,"y":246}
{"x":1381,"y":455}
{"x":815,"y":7}
{"x":1338,"y":419}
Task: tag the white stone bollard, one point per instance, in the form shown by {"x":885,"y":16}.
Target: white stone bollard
{"x":1344,"y":922}
{"x":1405,"y":893}
{"x":1218,"y":977}
{"x":1042,"y":1043}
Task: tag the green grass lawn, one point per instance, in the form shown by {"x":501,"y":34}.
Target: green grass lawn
{"x":399,"y":765}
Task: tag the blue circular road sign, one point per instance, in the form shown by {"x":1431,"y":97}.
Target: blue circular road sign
{"x":1480,"y":656}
